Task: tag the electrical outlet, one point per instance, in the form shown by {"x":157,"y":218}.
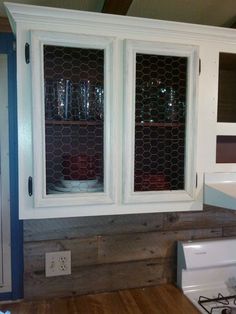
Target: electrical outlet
{"x":58,"y":263}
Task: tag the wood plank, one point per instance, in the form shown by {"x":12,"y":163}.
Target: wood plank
{"x":141,"y":246}
{"x":229,"y":231}
{"x":67,"y":228}
{"x":164,"y":299}
{"x":169,"y":295}
{"x":83,"y":251}
{"x":107,"y":303}
{"x":106,"y":277}
{"x":112,"y":248}
{"x":61,"y":306}
{"x":146,"y":303}
{"x":130,"y":305}
{"x":116,"y":6}
{"x":210,"y":217}
{"x":89,"y":304}
{"x":5,"y":25}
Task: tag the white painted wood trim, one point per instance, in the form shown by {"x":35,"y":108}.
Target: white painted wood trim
{"x":226,"y":129}
{"x":215,"y":128}
{"x":19,"y":13}
{"x":5,"y":234}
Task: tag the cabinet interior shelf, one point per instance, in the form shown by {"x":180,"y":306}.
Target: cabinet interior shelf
{"x":145,"y":124}
{"x":73,"y":122}
{"x":160,"y":124}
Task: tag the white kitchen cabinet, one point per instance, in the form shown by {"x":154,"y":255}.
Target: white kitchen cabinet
{"x":220,"y":180}
{"x":111,"y":99}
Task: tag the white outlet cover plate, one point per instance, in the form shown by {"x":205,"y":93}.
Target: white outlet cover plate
{"x":58,"y":263}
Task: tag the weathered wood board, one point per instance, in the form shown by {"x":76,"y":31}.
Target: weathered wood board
{"x":105,"y":277}
{"x":115,"y":252}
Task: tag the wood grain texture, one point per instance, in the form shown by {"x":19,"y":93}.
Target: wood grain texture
{"x":5,"y":25}
{"x":148,"y":300}
{"x":84,"y":252}
{"x":164,"y":299}
{"x":99,"y":278}
{"x":229,"y":231}
{"x":210,"y":217}
{"x":115,"y":252}
{"x":67,"y":228}
{"x":141,"y":246}
{"x":116,"y":6}
{"x":113,"y":248}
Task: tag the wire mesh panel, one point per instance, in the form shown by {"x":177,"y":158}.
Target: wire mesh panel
{"x":74,"y":109}
{"x":160,"y":112}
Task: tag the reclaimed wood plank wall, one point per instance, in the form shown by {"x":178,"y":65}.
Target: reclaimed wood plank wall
{"x":115,"y":252}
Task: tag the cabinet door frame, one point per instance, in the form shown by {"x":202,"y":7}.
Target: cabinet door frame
{"x":132,"y":47}
{"x":41,"y":199}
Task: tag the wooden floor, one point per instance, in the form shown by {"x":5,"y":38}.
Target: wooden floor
{"x":164,"y":299}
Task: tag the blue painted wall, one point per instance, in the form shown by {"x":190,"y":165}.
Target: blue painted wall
{"x":7,"y":44}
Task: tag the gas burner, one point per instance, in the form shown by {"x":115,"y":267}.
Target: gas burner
{"x":229,"y":311}
{"x":220,"y":304}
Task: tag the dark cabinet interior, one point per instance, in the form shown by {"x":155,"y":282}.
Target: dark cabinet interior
{"x":74,"y":114}
{"x":225,"y":149}
{"x":160,"y":114}
{"x":226,"y":88}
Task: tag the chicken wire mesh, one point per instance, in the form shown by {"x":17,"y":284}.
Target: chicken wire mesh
{"x":160,"y":114}
{"x":74,"y":114}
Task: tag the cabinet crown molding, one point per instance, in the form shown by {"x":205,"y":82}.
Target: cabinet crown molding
{"x":19,"y":13}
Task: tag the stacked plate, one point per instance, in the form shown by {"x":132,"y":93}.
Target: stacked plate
{"x":76,"y":186}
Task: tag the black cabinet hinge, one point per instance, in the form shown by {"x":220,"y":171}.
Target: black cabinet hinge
{"x":200,"y":66}
{"x":30,"y":186}
{"x":27,"y":53}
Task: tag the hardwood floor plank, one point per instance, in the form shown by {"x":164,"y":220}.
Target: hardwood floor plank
{"x":164,"y":299}
{"x":63,"y":305}
{"x":26,"y":308}
{"x":145,"y":304}
{"x":129,"y":302}
{"x":111,"y":303}
{"x":88,"y":304}
{"x":173,"y":301}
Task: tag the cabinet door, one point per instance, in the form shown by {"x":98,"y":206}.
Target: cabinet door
{"x":160,"y":122}
{"x":72,"y":119}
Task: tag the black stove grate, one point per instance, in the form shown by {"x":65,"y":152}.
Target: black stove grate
{"x":213,"y":305}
